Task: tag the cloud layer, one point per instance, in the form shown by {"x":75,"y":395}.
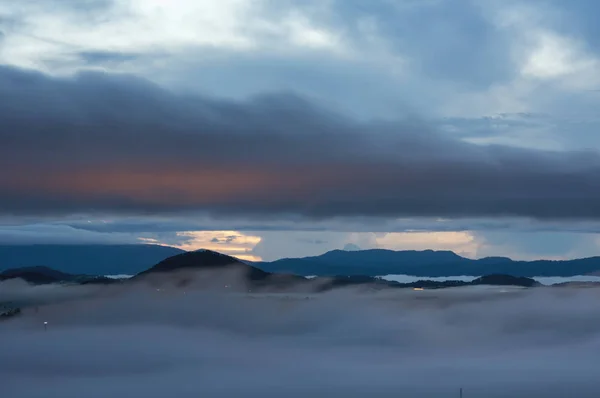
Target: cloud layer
{"x":110,"y":143}
{"x":248,"y":131}
{"x":152,"y":344}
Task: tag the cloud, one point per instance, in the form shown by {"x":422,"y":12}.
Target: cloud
{"x":510,"y":73}
{"x":376,"y":59}
{"x":107,"y":143}
{"x":104,"y":57}
{"x":275,"y":245}
{"x":144,"y":343}
{"x":59,"y":234}
{"x":540,"y":245}
{"x":473,"y":238}
{"x":51,"y":34}
{"x":197,"y":222}
{"x":233,"y":243}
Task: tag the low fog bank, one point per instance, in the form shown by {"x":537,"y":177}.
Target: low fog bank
{"x":143,"y":341}
{"x":17,"y":292}
{"x":544,"y":280}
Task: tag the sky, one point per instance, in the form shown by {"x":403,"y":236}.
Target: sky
{"x":268,"y":129}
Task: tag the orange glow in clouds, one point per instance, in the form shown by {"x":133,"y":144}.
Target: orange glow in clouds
{"x":232,"y":243}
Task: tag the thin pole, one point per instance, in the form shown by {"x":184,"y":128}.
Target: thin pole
{"x":461,"y":393}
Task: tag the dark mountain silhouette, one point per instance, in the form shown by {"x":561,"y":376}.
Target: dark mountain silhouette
{"x":504,"y":280}
{"x":205,"y":260}
{"x":182,"y":270}
{"x":210,"y":269}
{"x":36,"y":275}
{"x":426,"y":263}
{"x":378,"y":283}
{"x":134,"y":259}
{"x":86,"y":259}
{"x":43,"y":275}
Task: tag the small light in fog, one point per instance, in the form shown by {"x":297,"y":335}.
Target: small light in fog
{"x":418,"y":289}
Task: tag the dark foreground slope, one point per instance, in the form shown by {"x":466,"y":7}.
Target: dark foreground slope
{"x":426,"y":263}
{"x":86,"y":259}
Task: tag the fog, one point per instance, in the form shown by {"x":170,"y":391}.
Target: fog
{"x":143,"y":342}
{"x":544,"y":280}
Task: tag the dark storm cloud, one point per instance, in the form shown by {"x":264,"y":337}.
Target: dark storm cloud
{"x":108,"y":143}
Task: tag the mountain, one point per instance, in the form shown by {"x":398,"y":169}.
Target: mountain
{"x":378,"y":283}
{"x":44,"y":275}
{"x":135,"y":259}
{"x":36,"y":275}
{"x":372,"y":262}
{"x":504,"y":280}
{"x":427,"y":263}
{"x":204,"y":260}
{"x":220,"y":270}
{"x":86,"y":259}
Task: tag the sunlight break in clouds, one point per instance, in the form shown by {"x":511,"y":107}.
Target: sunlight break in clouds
{"x":232,"y":243}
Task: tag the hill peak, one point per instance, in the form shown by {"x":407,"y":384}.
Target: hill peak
{"x":194,"y":260}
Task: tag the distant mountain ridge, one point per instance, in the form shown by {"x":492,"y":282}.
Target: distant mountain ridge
{"x":43,"y":275}
{"x":133,"y":259}
{"x":86,"y":259}
{"x":427,"y":263}
{"x":181,"y":270}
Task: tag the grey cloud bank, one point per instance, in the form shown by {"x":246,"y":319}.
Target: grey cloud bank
{"x":107,"y":143}
{"x":151,"y":344}
{"x":518,"y":73}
